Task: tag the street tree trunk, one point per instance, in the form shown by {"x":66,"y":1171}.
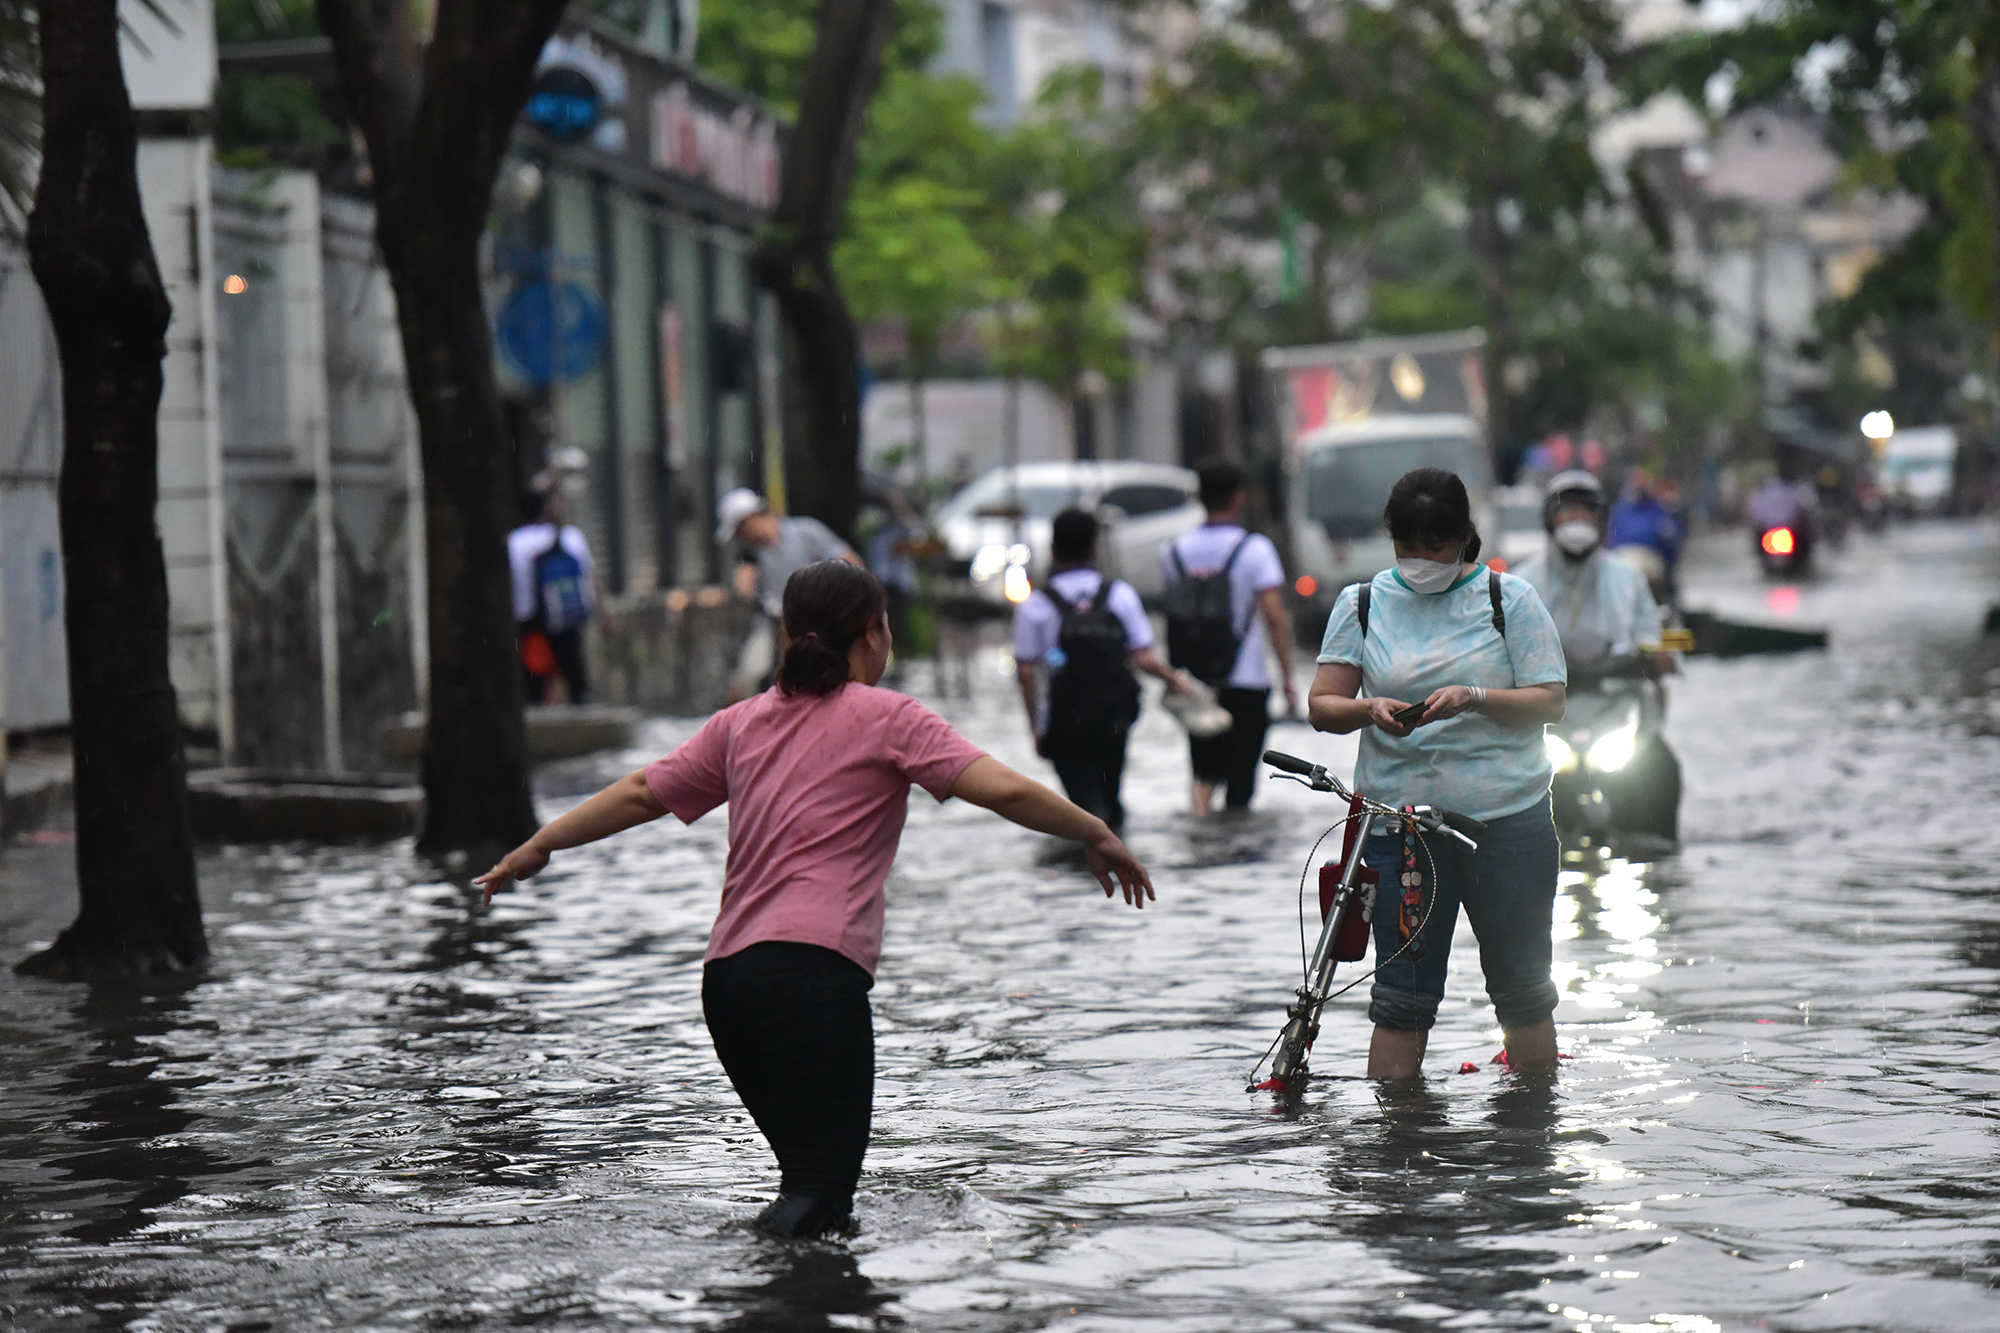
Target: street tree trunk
{"x":140,"y":911}
{"x":795,"y":260}
{"x":1493,"y":251}
{"x":436,"y":112}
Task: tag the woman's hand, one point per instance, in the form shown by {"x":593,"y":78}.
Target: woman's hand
{"x":1110,"y":858}
{"x":523,"y":862}
{"x":1382,"y":714}
{"x":1449,"y":701}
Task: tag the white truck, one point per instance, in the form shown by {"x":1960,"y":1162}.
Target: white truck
{"x":1353,"y":417}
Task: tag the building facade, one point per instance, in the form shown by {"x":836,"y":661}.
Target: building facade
{"x":634,"y":352}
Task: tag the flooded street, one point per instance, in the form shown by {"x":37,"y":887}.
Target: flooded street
{"x":385,"y":1111}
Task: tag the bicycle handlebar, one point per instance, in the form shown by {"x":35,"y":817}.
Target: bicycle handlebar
{"x":1463,"y":827}
{"x":1465,"y":824}
{"x":1280,"y":760}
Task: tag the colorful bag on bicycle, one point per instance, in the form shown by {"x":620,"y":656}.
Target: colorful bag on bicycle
{"x":1351,"y":944}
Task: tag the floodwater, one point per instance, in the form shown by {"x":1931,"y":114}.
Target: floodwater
{"x":384,"y":1110}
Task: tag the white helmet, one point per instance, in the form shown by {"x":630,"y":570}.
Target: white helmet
{"x":1572,"y":487}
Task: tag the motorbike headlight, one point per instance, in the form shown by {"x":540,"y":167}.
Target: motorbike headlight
{"x":1015,"y":586}
{"x":988,"y":561}
{"x":1560,"y":754}
{"x":1613,"y":750}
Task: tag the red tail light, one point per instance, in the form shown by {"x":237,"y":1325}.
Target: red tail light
{"x":1779,"y":541}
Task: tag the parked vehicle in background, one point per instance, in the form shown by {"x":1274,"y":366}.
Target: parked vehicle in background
{"x":1343,"y":482}
{"x":1519,"y":534}
{"x":1351,"y":418}
{"x":999,"y":526}
{"x":1917,"y":468}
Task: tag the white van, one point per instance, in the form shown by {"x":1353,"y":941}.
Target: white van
{"x":1342,"y":480}
{"x":1002,"y":520}
{"x":1917,"y":466}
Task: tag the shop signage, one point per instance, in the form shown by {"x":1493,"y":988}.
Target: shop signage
{"x":736,"y":154}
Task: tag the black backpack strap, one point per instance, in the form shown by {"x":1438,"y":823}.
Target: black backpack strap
{"x":1235,"y":551}
{"x":1180,"y":567}
{"x":1361,"y":606}
{"x":1499,"y":611}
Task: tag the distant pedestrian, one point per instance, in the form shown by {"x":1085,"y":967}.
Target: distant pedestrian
{"x":890,"y":559}
{"x":1075,"y":644}
{"x":817,"y":776}
{"x":1644,"y":520}
{"x":556,"y":592}
{"x":1220,"y":580}
{"x":774,"y":549}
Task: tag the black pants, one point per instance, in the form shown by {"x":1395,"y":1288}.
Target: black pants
{"x":1231,"y":758}
{"x":567,"y":648}
{"x":793,"y":1029}
{"x":1091,"y":766}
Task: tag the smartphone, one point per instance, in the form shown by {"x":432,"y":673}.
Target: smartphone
{"x":1407,"y":717}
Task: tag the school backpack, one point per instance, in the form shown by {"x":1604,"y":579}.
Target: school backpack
{"x":1092,"y":688}
{"x":1203,"y":637}
{"x":560,"y":601}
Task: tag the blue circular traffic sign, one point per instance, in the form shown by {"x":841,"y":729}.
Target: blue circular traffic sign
{"x":539,"y":326}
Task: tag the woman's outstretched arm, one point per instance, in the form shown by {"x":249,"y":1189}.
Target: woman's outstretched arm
{"x":1014,"y":796}
{"x":624,"y":803}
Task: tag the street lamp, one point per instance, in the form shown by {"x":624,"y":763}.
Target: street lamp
{"x":1878,"y":425}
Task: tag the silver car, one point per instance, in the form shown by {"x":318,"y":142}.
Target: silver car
{"x":1000,"y":523}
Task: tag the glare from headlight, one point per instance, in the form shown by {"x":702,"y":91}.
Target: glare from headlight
{"x":1015,"y":586}
{"x":1560,"y":754}
{"x":1613,"y":750}
{"x":1018,"y":553}
{"x":988,"y":561}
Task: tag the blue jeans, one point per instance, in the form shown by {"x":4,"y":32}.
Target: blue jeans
{"x":1508,"y":890}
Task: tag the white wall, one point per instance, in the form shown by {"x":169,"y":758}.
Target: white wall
{"x":174,"y":181}
{"x":36,"y":663}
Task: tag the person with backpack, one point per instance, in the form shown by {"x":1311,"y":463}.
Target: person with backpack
{"x":555,"y":594}
{"x":817,"y":776}
{"x":1476,"y":651}
{"x":1085,"y":638}
{"x":1220,"y":579}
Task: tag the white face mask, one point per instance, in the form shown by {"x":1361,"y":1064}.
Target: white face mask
{"x":1428,"y":576}
{"x":1579,"y":537}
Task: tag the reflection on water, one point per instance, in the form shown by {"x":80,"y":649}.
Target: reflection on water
{"x":384,"y":1111}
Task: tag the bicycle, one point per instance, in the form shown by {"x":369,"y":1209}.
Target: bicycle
{"x":1346,"y":908}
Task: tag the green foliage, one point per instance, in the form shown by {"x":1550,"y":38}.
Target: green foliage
{"x":1911,"y":90}
{"x":910,"y":253}
{"x":762,"y":46}
{"x":273,"y":120}
{"x":1436,"y":156}
{"x":264,"y":20}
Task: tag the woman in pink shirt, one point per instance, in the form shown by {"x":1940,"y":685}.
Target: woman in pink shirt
{"x":817,"y":774}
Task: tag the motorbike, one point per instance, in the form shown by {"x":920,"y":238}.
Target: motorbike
{"x":1785,"y":550}
{"x":1784,"y":528}
{"x":1616,"y":779}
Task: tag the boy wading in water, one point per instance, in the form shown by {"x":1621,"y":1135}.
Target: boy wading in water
{"x":817,"y":774}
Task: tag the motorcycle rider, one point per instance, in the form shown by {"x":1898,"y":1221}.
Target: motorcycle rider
{"x":1589,"y":592}
{"x":1605,"y":612}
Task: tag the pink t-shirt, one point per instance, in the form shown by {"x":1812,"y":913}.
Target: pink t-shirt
{"x":818,"y":788}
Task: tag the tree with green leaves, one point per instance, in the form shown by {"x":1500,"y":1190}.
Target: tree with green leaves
{"x":910,"y":253}
{"x":1910,"y":93}
{"x":1066,"y":227}
{"x":1299,"y":136}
